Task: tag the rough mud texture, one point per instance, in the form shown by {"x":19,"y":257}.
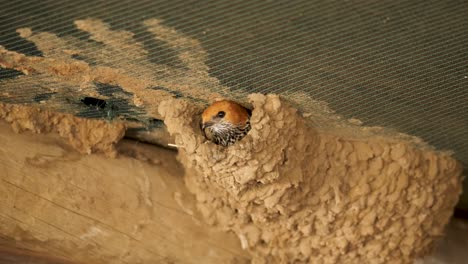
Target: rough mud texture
{"x":294,"y":194}
{"x":85,"y":135}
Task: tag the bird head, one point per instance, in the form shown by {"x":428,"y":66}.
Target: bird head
{"x":224,"y":120}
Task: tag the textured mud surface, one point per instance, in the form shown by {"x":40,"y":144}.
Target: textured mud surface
{"x":294,"y":193}
{"x":84,"y":135}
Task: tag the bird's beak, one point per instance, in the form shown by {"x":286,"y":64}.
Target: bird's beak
{"x":206,"y":131}
{"x":206,"y":125}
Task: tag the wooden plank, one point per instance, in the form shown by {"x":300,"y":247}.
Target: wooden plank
{"x":9,"y":254}
{"x":93,"y":209}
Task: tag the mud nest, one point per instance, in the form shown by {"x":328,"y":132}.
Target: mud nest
{"x":294,"y":193}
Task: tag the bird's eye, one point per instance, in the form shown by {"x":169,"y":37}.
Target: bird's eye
{"x":221,"y":114}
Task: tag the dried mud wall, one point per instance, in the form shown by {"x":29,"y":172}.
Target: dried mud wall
{"x":84,"y":135}
{"x":294,"y":194}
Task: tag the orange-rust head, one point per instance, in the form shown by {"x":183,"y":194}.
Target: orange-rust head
{"x":225,"y":122}
{"x":226,"y":110}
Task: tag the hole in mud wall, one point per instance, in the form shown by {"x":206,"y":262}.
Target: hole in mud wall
{"x":91,"y":101}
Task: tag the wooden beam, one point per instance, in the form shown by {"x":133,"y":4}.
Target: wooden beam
{"x":94,"y":209}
